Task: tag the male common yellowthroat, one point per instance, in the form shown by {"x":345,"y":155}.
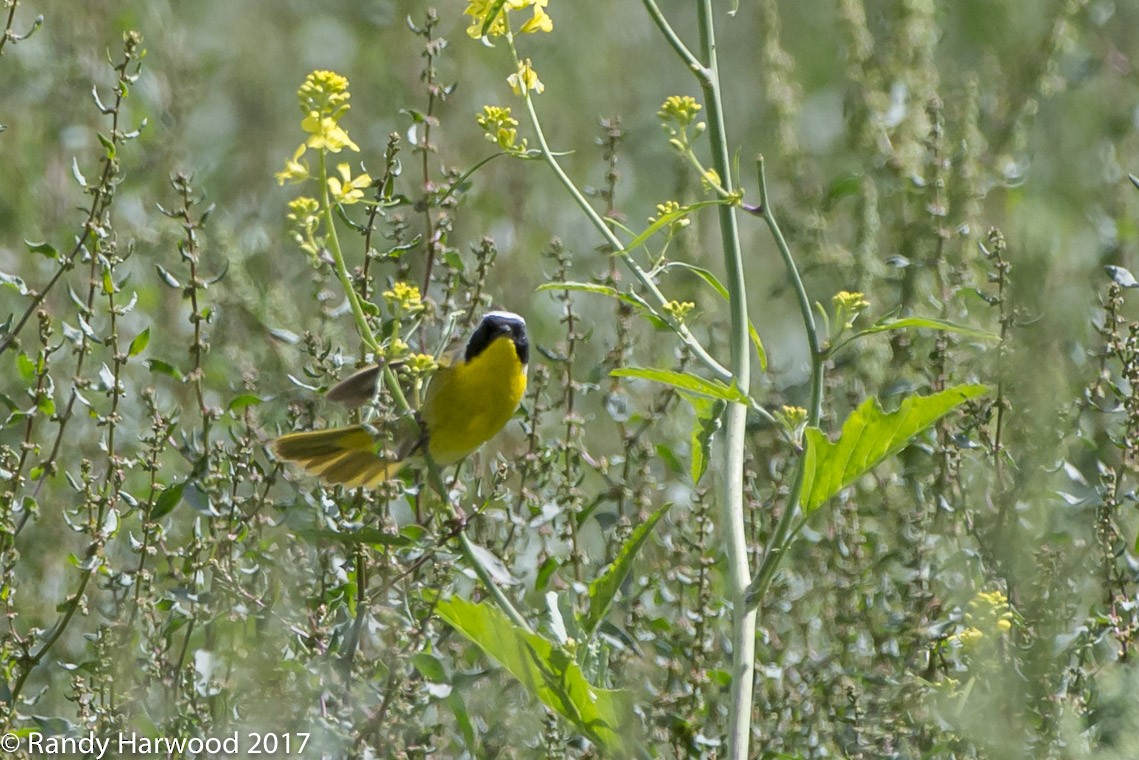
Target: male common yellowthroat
{"x":467,"y":402}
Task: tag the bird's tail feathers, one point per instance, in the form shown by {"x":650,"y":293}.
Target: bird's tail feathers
{"x":340,"y":456}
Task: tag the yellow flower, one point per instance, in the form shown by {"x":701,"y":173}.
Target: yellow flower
{"x":404,"y":298}
{"x":481,"y":10}
{"x":500,"y":127}
{"x":850,"y":302}
{"x":347,"y":190}
{"x":671,"y":207}
{"x":326,"y":134}
{"x":295,"y":170}
{"x":681,"y":109}
{"x":303,"y":210}
{"x":679,"y":309}
{"x":324,"y":93}
{"x":419,"y":365}
{"x":396,"y":349}
{"x":525,"y":79}
{"x":540,"y":21}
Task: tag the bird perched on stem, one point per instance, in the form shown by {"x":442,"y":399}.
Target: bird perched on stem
{"x":468,"y":401}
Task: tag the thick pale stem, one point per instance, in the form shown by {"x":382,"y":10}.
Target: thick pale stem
{"x":735,"y":531}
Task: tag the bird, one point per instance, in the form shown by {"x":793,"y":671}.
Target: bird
{"x":469,"y":399}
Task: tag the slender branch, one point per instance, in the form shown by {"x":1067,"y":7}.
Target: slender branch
{"x":338,"y":261}
{"x":783,"y":534}
{"x":674,"y":40}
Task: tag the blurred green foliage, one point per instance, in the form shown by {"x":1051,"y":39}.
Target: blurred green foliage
{"x":159,"y":572}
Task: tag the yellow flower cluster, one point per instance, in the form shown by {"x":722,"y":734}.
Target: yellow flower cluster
{"x":679,"y":309}
{"x":481,"y":12}
{"x":989,"y":615}
{"x":500,"y":128}
{"x":850,"y":302}
{"x":679,"y":110}
{"x":419,"y":365}
{"x":323,"y":99}
{"x":847,"y":307}
{"x":403,"y":298}
{"x":671,"y":207}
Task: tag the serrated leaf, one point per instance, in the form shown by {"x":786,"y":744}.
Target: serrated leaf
{"x":140,"y":342}
{"x":548,"y":672}
{"x":684,"y":381}
{"x":869,"y":436}
{"x":604,"y":588}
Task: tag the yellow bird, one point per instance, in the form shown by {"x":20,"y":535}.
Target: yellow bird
{"x":467,"y":402}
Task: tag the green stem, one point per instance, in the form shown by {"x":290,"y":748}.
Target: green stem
{"x":467,"y":548}
{"x":783,"y":534}
{"x":338,"y":260}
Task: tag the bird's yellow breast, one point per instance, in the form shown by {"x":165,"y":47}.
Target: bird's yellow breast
{"x":468,"y":403}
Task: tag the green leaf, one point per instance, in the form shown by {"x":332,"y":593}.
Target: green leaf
{"x":548,"y":672}
{"x":718,"y":286}
{"x":107,"y":144}
{"x":664,"y":221}
{"x":491,"y":15}
{"x":430,"y":667}
{"x":592,"y":287}
{"x":928,"y":323}
{"x":167,"y":500}
{"x":604,"y":588}
{"x":163,"y":368}
{"x":14,"y":282}
{"x":669,"y":457}
{"x":685,"y":382}
{"x":463,"y":718}
{"x":44,"y":249}
{"x":707,"y":422}
{"x":140,"y":342}
{"x":242,"y":401}
{"x":868,"y":436}
{"x":842,"y":186}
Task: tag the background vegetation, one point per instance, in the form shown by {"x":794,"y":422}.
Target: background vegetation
{"x":160,"y":572}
